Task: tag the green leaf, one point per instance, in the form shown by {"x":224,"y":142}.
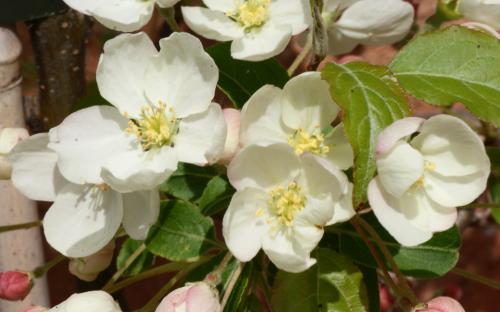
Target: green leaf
{"x":433,"y":258}
{"x":371,"y":100}
{"x":216,"y":196}
{"x":240,"y":293}
{"x":333,"y":284}
{"x":188,"y":181}
{"x":455,"y":64}
{"x":22,"y":10}
{"x":181,"y":232}
{"x":240,"y":79}
{"x":143,"y":262}
{"x":370,"y":279}
{"x":495,"y":197}
{"x":494,"y":155}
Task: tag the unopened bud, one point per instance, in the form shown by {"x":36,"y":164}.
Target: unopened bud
{"x":441,"y":304}
{"x":232,"y":117}
{"x":196,"y":297}
{"x":88,"y":268}
{"x":15,"y":285}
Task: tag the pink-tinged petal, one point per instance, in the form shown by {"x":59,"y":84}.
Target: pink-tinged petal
{"x":173,"y":300}
{"x":231,"y":146}
{"x":202,"y":298}
{"x":395,"y":132}
{"x":443,"y":304}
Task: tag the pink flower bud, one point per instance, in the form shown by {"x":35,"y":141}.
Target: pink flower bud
{"x":442,"y":304}
{"x":88,"y":268}
{"x":386,"y":300}
{"x":35,"y":309}
{"x":15,"y":285}
{"x":232,"y":117}
{"x":197,"y":297}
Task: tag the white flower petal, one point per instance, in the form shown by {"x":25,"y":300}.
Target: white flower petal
{"x":263,"y":167}
{"x":263,"y":43}
{"x":426,"y":214}
{"x":182,"y":75}
{"x":308,"y":223}
{"x":307,"y":104}
{"x":397,"y":131}
{"x":211,"y":24}
{"x":166,"y":3}
{"x":9,"y":137}
{"x":88,"y":301}
{"x":34,"y":171}
{"x":285,"y":254}
{"x":121,"y":70}
{"x":201,"y":137}
{"x":455,"y":191}
{"x":84,"y":7}
{"x":388,"y":212}
{"x":86,"y":139}
{"x":400,"y":168}
{"x":136,"y":170}
{"x":322,"y":178}
{"x":452,"y":146}
{"x":338,"y":43}
{"x":140,"y":211}
{"x":377,"y":21}
{"x":261,"y":118}
{"x":220,"y":5}
{"x":343,"y":209}
{"x":296,"y":13}
{"x":82,"y":220}
{"x":340,"y":153}
{"x":485,"y":11}
{"x":242,"y":227}
{"x":330,"y":6}
{"x":123,"y":15}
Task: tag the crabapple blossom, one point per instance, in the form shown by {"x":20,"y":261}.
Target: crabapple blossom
{"x":484,"y":11}
{"x":442,"y":304}
{"x":258,"y":29}
{"x":9,"y":137}
{"x":422,"y":179}
{"x":98,"y":301}
{"x":121,"y":15}
{"x":163,"y":113}
{"x":88,"y":268}
{"x":196,"y":297}
{"x":281,"y":204}
{"x":371,"y":22}
{"x":84,"y":217}
{"x":300,"y":116}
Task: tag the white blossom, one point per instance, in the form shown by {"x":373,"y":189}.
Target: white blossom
{"x":484,"y":11}
{"x":162,"y":114}
{"x":281,"y":204}
{"x":97,"y":301}
{"x":422,"y":179}
{"x":258,"y":29}
{"x":121,"y":15}
{"x":300,"y":115}
{"x":370,"y":22}
{"x":84,"y":217}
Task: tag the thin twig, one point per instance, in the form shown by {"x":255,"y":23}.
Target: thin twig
{"x":42,"y":270}
{"x":302,"y":55}
{"x":20,"y":226}
{"x":232,"y":282}
{"x":476,"y":278}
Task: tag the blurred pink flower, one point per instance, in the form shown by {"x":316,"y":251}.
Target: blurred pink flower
{"x":197,"y":297}
{"x":442,"y":304}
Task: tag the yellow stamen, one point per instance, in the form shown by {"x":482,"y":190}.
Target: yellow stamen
{"x":285,"y":203}
{"x":251,"y":13}
{"x":155,"y":127}
{"x":303,"y":141}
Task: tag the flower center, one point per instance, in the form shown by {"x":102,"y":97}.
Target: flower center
{"x":428,"y":166}
{"x":251,"y":13}
{"x":303,"y":141}
{"x":284,"y":203}
{"x":155,"y":127}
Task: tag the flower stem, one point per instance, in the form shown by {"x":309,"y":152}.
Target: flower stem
{"x":214,"y":277}
{"x":42,"y":270}
{"x":169,"y":16}
{"x":320,"y":37}
{"x":481,"y":205}
{"x":128,"y":263}
{"x":476,"y":278}
{"x":406,"y":287}
{"x":166,"y":268}
{"x":20,"y":226}
{"x":302,"y":55}
{"x":232,"y":282}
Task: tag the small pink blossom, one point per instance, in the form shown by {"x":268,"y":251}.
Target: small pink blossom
{"x":15,"y":285}
{"x":232,"y":118}
{"x":197,"y":297}
{"x":442,"y":304}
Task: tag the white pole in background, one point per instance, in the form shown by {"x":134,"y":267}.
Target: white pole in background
{"x":22,"y":249}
